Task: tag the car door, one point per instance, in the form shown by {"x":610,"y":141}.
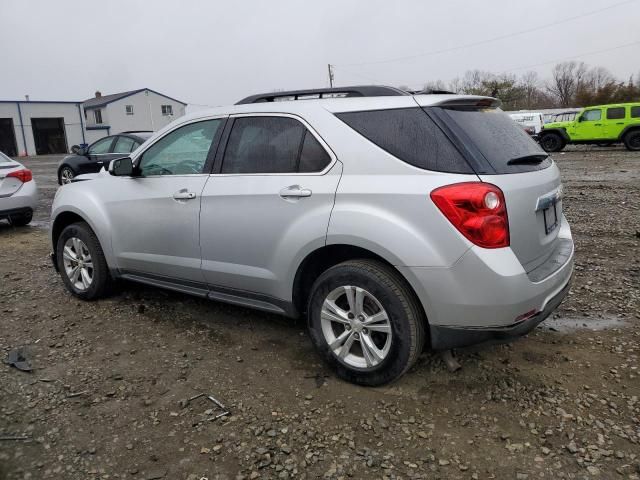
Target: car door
{"x":97,"y":154}
{"x":155,"y":213}
{"x":614,"y":122}
{"x":589,"y":126}
{"x":266,"y":205}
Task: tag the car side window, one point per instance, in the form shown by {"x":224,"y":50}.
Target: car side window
{"x":591,"y":115}
{"x":635,"y":112}
{"x":182,"y":152}
{"x":313,"y":157}
{"x":101,"y":146}
{"x":123,"y":145}
{"x":263,"y":145}
{"x":615,"y":113}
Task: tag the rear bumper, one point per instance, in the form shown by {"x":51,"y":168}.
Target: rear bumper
{"x":15,"y":211}
{"x":487,"y":295}
{"x":22,"y":201}
{"x":445,"y":338}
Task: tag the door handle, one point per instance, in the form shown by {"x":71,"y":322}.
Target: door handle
{"x":619,"y":123}
{"x":295,"y":191}
{"x":597,"y":124}
{"x":184,"y":195}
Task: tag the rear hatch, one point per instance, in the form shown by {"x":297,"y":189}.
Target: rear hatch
{"x":501,"y":153}
{"x":8,"y":185}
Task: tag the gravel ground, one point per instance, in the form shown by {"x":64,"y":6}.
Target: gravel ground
{"x":107,"y":397}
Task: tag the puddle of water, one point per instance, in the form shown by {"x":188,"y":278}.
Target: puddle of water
{"x":571,"y":324}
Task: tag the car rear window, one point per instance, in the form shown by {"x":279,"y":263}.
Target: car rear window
{"x":4,"y":159}
{"x":410,"y":135}
{"x":497,"y":138}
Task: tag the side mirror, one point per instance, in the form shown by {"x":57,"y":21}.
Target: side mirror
{"x":121,"y":167}
{"x":581,"y":119}
{"x":75,"y":149}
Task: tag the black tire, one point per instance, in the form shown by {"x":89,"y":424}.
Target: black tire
{"x":552,"y":142}
{"x":65,"y":169}
{"x":402,"y":307}
{"x":101,"y":283}
{"x":22,"y":219}
{"x":632,"y":140}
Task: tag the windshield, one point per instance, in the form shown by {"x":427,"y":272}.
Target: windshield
{"x":498,"y":138}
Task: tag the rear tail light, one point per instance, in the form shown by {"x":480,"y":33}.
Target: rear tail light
{"x":23,"y":175}
{"x":477,"y":210}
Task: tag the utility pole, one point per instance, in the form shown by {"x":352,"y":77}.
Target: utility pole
{"x":330,"y":75}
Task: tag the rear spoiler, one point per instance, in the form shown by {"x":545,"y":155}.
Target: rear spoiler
{"x":467,"y":101}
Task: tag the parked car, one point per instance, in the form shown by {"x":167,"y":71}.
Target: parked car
{"x":389,"y":221}
{"x":18,"y":192}
{"x":532,"y":122}
{"x":600,"y":125}
{"x":97,"y":155}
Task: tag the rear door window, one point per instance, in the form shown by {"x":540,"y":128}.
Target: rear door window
{"x":615,"y":113}
{"x":271,"y":144}
{"x":410,"y":135}
{"x":498,"y":139}
{"x":635,"y":112}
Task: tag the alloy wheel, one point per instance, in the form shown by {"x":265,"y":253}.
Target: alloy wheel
{"x":78,"y":264}
{"x":66,"y":175}
{"x":356,"y":327}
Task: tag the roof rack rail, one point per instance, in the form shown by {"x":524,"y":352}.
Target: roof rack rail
{"x":336,"y":92}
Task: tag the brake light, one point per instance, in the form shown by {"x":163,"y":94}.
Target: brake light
{"x":477,"y":210}
{"x":23,"y":175}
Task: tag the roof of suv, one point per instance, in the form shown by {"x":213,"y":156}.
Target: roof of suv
{"x":349,"y":104}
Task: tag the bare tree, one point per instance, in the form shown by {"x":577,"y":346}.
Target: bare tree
{"x":435,"y":85}
{"x":565,"y":81}
{"x":530,"y":83}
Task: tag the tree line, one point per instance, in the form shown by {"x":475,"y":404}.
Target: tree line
{"x":572,"y":84}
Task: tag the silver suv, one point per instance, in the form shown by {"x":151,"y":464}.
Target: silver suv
{"x":390,"y":221}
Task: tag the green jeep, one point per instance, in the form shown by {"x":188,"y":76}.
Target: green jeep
{"x":601,"y":125}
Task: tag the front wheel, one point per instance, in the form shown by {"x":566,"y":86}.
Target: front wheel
{"x":552,"y":142}
{"x":366,"y":322}
{"x":81,"y":262}
{"x":66,"y":175}
{"x":632,"y":140}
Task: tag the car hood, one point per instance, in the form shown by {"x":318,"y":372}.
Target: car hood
{"x":557,"y":124}
{"x":89,"y":176}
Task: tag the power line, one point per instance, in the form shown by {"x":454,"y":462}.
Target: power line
{"x":585,"y":54}
{"x":489,"y":40}
{"x":595,"y":52}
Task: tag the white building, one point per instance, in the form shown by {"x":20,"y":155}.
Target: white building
{"x":142,"y":109}
{"x":39,"y":127}
{"x":29,"y":127}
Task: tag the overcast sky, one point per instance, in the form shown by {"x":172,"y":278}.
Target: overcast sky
{"x":216,"y":52}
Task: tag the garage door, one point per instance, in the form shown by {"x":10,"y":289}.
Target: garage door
{"x":8,"y":137}
{"x":49,"y":135}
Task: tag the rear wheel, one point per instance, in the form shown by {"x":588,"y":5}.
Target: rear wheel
{"x":365,"y":322}
{"x":66,"y":175}
{"x":632,"y":140}
{"x":22,"y":219}
{"x":552,"y":142}
{"x":81,"y":262}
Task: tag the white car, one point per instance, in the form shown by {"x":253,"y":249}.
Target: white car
{"x":532,"y":122}
{"x":18,"y":192}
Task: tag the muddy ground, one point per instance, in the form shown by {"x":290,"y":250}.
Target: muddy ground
{"x":107,"y":395}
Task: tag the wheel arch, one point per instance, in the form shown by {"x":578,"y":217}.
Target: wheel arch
{"x":560,"y":131}
{"x":326,"y":257}
{"x":627,"y":129}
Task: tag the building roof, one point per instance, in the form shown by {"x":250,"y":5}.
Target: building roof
{"x":96,"y":102}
